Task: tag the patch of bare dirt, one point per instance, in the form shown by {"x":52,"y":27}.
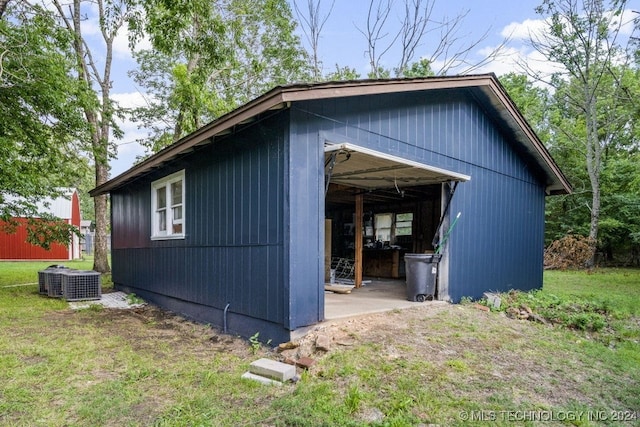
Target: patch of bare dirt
{"x":153,"y":329}
{"x":495,"y":352}
{"x":487,"y":351}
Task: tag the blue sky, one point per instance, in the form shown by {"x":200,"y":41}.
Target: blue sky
{"x":342,"y":43}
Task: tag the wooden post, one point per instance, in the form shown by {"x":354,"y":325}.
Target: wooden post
{"x":358,"y":244}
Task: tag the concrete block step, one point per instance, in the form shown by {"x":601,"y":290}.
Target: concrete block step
{"x":272,"y":369}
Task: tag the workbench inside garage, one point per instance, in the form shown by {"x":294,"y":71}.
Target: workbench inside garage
{"x":386,"y":262}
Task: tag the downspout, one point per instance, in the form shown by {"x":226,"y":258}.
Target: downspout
{"x":224,"y":318}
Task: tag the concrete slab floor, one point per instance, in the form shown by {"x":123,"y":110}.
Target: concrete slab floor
{"x":378,"y":296}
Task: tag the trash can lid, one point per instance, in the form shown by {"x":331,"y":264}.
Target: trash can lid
{"x":423,"y":257}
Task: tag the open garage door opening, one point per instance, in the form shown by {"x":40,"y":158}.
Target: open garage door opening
{"x":378,"y":207}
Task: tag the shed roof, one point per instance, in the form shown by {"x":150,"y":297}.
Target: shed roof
{"x":59,"y":207}
{"x":485,"y":88}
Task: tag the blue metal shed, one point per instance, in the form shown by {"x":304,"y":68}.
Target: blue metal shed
{"x":227,"y":225}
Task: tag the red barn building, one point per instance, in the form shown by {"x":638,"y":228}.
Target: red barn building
{"x":14,"y":246}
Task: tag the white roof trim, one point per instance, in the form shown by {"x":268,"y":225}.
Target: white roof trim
{"x":367,"y":168}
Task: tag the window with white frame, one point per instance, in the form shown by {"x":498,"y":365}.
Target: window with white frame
{"x":167,"y":207}
{"x":389,"y":226}
{"x":383,"y":223}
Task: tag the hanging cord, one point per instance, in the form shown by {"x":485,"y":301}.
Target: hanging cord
{"x":400,"y":192}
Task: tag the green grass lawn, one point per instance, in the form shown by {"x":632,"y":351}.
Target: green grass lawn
{"x":620,"y":288}
{"x":454,"y":366}
{"x":25,"y":272}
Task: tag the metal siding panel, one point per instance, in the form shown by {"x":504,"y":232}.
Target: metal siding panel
{"x":258,"y":228}
{"x":498,"y":242}
{"x":233,"y":221}
{"x":305,"y":217}
{"x":131,"y":217}
{"x":494,"y":246}
{"x":226,"y":221}
{"x":75,"y":209}
{"x":15,"y":246}
{"x":253,"y":187}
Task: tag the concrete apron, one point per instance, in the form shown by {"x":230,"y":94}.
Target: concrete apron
{"x":377,"y":296}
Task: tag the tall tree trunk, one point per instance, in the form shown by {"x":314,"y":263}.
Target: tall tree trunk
{"x":101,"y":152}
{"x":100,"y":157}
{"x":101,"y":260}
{"x":100,"y":141}
{"x":583,"y":37}
{"x":98,"y":118}
{"x":594,"y":154}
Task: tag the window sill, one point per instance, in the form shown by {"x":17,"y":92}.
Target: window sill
{"x":171,"y":237}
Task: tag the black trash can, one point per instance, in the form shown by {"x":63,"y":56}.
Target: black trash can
{"x":421,"y":270}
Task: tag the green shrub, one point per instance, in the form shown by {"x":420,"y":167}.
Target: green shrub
{"x":589,"y":315}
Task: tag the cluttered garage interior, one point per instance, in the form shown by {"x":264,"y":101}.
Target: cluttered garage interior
{"x":380,"y":211}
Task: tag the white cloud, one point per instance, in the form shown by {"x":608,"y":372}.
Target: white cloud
{"x":522,"y":31}
{"x":519,"y":51}
{"x":535,"y":28}
{"x":628,"y":22}
{"x":131,"y":99}
{"x":520,"y":59}
{"x":121,"y":44}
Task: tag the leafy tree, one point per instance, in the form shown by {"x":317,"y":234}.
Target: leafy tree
{"x":266,"y":50}
{"x":552,"y":118}
{"x":422,"y":68}
{"x":620,"y":217}
{"x":42,"y":126}
{"x":210,"y":57}
{"x":533,"y":101}
{"x":343,"y":74}
{"x":618,"y":136}
{"x":620,"y":178}
{"x":93,"y":65}
{"x":583,"y":38}
{"x":188,"y":41}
